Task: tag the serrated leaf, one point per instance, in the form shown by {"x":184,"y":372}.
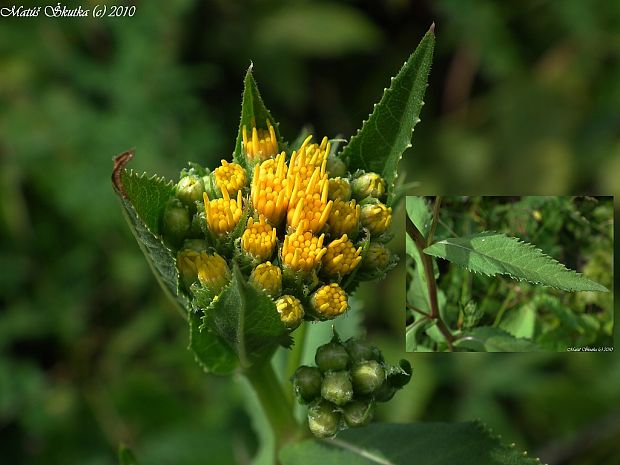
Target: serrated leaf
{"x":253,"y":112}
{"x":494,"y":253}
{"x":246,"y":319}
{"x":210,"y":352}
{"x":143,"y":200}
{"x":379,"y":144}
{"x":491,"y":339}
{"x":467,"y":443}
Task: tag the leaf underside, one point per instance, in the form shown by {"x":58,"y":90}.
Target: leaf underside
{"x":399,"y":444}
{"x":379,"y":144}
{"x":493,"y":253}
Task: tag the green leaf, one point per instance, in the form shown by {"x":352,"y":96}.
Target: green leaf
{"x":246,"y":319}
{"x":253,"y":112}
{"x":405,"y":444}
{"x":419,"y":213}
{"x":125,"y":456}
{"x":143,"y":200}
{"x":491,"y":339}
{"x":494,"y":253}
{"x":211,"y":353}
{"x":379,"y":144}
{"x":521,"y":321}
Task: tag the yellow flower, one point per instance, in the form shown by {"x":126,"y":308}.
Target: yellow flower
{"x":305,"y":160}
{"x":211,"y":270}
{"x":339,"y":189}
{"x":302,"y":251}
{"x":341,"y":257}
{"x":230,"y":176}
{"x":376,"y":217}
{"x":290,"y":310}
{"x":259,"y":238}
{"x":377,"y":257}
{"x":329,"y":301}
{"x":309,"y":208}
{"x":267,"y":277}
{"x":223,"y":214}
{"x":344,"y":218}
{"x":269,"y":189}
{"x":263,"y":144}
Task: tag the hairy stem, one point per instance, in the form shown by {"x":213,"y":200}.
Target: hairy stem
{"x":278,"y":410}
{"x":427,"y":263}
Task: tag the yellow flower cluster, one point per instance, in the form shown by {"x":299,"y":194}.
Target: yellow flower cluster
{"x":267,"y":277}
{"x":223,"y":214}
{"x":291,"y":311}
{"x":259,"y":238}
{"x":211,"y":270}
{"x":329,"y":301}
{"x":230,"y":176}
{"x":302,"y":251}
{"x":344,"y":217}
{"x":262,"y":145}
{"x":341,"y":257}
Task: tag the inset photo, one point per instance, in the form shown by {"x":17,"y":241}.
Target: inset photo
{"x":509,"y":274}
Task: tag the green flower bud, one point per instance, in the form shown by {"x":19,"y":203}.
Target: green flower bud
{"x":385,"y":392}
{"x":324,"y":419}
{"x":175,"y":223}
{"x":336,"y":167}
{"x":368,"y":185}
{"x":358,"y":412}
{"x":376,"y":217}
{"x":307,"y":383}
{"x":195,"y":230}
{"x":339,"y":189}
{"x":189,"y":190}
{"x":331,"y":357}
{"x":337,"y":387}
{"x":359,"y":351}
{"x":377,"y":257}
{"x":367,"y":377}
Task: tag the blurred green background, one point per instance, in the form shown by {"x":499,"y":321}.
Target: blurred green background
{"x":523,"y":98}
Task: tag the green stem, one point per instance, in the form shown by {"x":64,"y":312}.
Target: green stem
{"x":297,"y":353}
{"x":431,"y":284}
{"x":278,"y":410}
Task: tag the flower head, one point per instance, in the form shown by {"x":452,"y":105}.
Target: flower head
{"x":210,"y":269}
{"x":223,"y":214}
{"x":291,"y":311}
{"x":344,"y":217}
{"x":259,"y":238}
{"x":341,"y":257}
{"x":269,"y":189}
{"x":376,"y":217}
{"x":309,"y":208}
{"x":230,"y":176}
{"x":267,"y":277}
{"x":368,"y":185}
{"x":261,"y":144}
{"x":329,"y":301}
{"x":339,"y":189}
{"x":377,"y":257}
{"x":302,"y":251}
{"x":308,"y":157}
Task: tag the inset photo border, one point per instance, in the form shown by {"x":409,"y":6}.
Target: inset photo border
{"x":509,"y":274}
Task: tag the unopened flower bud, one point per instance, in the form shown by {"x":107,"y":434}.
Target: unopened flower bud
{"x":337,"y":387}
{"x":359,"y":350}
{"x":260,"y":144}
{"x":341,"y":258}
{"x":259,"y":239}
{"x":335,"y":166}
{"x":267,"y":277}
{"x":222,"y":215}
{"x":176,"y":223}
{"x":368,"y":185}
{"x":189,"y":190}
{"x":344,"y":218}
{"x":367,"y":376}
{"x":291,"y":311}
{"x":213,"y":272}
{"x":324,"y":419}
{"x":307,"y":383}
{"x":331,"y":357}
{"x":329,"y":301}
{"x":230,"y":176}
{"x":377,"y":257}
{"x":358,"y":412}
{"x":376,"y":217}
{"x":339,"y":189}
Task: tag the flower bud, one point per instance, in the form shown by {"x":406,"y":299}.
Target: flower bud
{"x":376,"y":217}
{"x":230,"y":176}
{"x":189,"y":190}
{"x":176,"y":223}
{"x":267,"y":277}
{"x":339,"y":189}
{"x":336,"y":167}
{"x":307,"y":383}
{"x":213,"y":272}
{"x":302,"y":251}
{"x":186,"y":264}
{"x":358,"y":412}
{"x":367,"y":376}
{"x":341,"y":258}
{"x":222,"y":215}
{"x":329,"y":301}
{"x":368,"y":185}
{"x":344,"y":218}
{"x":291,"y":311}
{"x":324,"y":419}
{"x":331,"y":357}
{"x":385,"y":392}
{"x":337,"y":387}
{"x":359,"y":350}
{"x":260,"y":144}
{"x":259,"y":239}
{"x":377,"y":257}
